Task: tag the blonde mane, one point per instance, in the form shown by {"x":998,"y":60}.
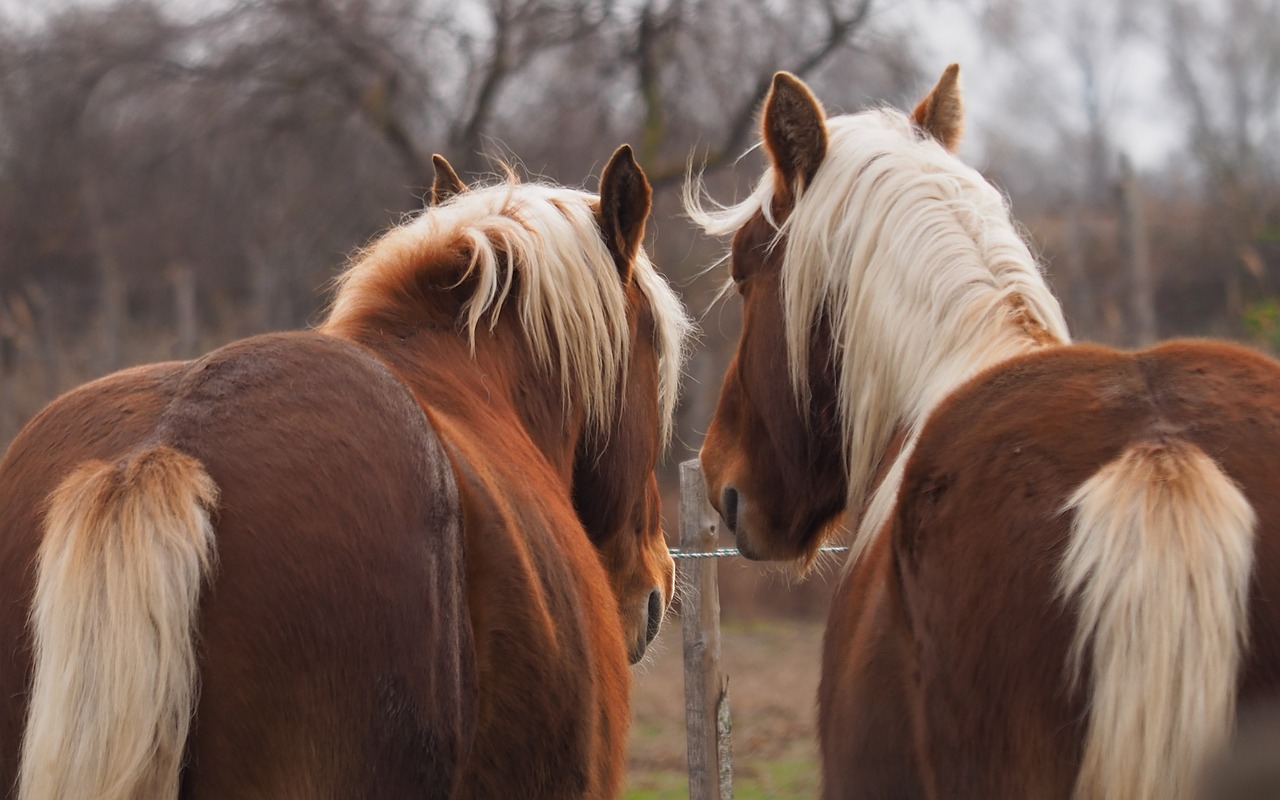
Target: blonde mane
{"x":571,"y":302}
{"x":914,"y":258}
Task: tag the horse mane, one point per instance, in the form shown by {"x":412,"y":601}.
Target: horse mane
{"x":570,"y":301}
{"x":913,"y":257}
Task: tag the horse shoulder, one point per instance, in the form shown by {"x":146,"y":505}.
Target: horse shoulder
{"x":550,"y":657}
{"x":866,"y":713}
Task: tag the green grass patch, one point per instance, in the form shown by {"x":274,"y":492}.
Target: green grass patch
{"x":656,"y":786}
{"x":783,"y":779}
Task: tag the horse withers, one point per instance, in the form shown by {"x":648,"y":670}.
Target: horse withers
{"x":407,"y":554}
{"x":1065,"y":559}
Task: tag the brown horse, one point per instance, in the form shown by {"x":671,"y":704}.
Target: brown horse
{"x":1065,"y":568}
{"x":404,"y":555}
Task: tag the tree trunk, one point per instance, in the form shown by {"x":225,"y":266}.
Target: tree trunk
{"x":111,"y":283}
{"x":183,"y":279}
{"x":1138,"y":253}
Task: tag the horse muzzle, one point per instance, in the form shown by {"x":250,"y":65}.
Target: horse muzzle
{"x":651,"y":622}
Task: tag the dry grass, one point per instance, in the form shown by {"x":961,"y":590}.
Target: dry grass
{"x":37,"y":372}
{"x":773,"y":681}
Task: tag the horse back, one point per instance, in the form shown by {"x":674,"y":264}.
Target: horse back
{"x":981,"y":529}
{"x":334,"y":649}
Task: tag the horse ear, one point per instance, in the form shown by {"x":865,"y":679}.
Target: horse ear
{"x":446,"y":183}
{"x":795,"y":134}
{"x":941,"y":113}
{"x":625,"y":199}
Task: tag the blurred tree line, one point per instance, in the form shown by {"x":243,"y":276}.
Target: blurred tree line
{"x":1191,"y":246}
{"x":173,"y":179}
{"x":174,"y":176}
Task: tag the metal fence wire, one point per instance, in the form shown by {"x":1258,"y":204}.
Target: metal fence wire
{"x":726,"y":552}
{"x":707,"y":722}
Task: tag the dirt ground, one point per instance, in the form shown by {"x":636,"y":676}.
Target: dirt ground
{"x":773,"y":680}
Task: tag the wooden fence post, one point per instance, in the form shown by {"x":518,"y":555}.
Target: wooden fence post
{"x":706,"y":688}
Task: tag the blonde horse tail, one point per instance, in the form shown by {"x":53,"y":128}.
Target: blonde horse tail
{"x":118,"y":577}
{"x":1158,"y":564}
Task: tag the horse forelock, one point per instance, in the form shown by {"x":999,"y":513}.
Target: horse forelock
{"x":915,"y":261}
{"x":570,"y":301}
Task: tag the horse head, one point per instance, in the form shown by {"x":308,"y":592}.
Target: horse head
{"x":798,"y":437}
{"x":615,"y":490}
{"x":620,"y":344}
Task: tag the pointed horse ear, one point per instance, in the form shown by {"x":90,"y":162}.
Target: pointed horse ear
{"x":446,"y":183}
{"x":625,"y":199}
{"x":941,"y":113}
{"x":795,"y":134}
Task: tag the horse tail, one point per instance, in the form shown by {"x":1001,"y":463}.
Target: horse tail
{"x":118,"y":577}
{"x":1158,"y":562}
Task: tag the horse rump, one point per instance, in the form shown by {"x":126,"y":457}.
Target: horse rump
{"x":1159,"y":564}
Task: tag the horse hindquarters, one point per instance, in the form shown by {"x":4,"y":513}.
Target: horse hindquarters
{"x":1140,"y":582}
{"x":125,"y":549}
{"x":336,"y":658}
{"x":1158,"y":566}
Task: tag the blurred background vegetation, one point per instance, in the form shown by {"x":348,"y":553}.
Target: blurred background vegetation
{"x":177,"y":175}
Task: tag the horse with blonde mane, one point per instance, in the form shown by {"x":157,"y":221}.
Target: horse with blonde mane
{"x":407,"y":554}
{"x":1065,"y":559}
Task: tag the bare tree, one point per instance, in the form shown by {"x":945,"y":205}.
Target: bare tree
{"x":1226,"y":77}
{"x":733,"y":64}
{"x":161,"y":167}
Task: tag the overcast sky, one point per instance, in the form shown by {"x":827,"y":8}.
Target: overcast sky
{"x":1021,"y":91}
{"x":1001,"y":91}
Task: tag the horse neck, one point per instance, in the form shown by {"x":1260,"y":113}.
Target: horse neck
{"x":499,"y":400}
{"x":955,"y":358}
{"x":1001,"y":326}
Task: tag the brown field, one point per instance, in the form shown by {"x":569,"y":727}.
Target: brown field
{"x":772,"y":666}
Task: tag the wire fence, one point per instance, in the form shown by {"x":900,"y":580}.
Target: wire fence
{"x":729,"y":552}
{"x":708,"y":723}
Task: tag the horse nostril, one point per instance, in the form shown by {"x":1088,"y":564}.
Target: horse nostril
{"x":729,"y":508}
{"x":655,"y":615}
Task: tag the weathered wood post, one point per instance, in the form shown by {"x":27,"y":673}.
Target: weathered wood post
{"x":706,"y":688}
